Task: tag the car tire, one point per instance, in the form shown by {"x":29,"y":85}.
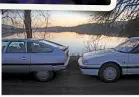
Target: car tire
{"x":44,"y":76}
{"x":109,"y":73}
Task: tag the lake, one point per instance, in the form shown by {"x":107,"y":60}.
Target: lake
{"x":78,"y":43}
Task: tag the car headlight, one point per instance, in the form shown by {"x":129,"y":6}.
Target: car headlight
{"x":85,"y":61}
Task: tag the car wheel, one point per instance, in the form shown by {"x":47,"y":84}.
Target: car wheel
{"x":44,"y":75}
{"x":109,"y":73}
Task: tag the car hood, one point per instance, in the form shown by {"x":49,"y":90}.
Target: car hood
{"x":97,"y":53}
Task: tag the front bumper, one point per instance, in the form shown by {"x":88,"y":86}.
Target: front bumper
{"x":88,"y":69}
{"x":61,"y":67}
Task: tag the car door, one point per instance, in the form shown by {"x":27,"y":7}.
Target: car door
{"x":41,"y":56}
{"x":133,"y":64}
{"x":15,"y":58}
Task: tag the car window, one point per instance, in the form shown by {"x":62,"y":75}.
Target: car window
{"x":35,"y":47}
{"x":127,"y":46}
{"x":16,"y":47}
{"x":136,"y":50}
{"x":51,"y":43}
{"x":4,"y":45}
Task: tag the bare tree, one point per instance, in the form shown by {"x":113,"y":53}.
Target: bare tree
{"x":94,"y":43}
{"x":9,"y":17}
{"x":125,"y":10}
{"x":46,"y":17}
{"x":27,"y":22}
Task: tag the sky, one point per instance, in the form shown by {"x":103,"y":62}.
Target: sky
{"x":69,"y":18}
{"x":64,"y":18}
{"x":56,"y":18}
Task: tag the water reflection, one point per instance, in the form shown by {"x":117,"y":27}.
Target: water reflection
{"x":78,"y":43}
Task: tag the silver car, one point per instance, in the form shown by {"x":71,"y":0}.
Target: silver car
{"x":110,"y":64}
{"x":37,"y":56}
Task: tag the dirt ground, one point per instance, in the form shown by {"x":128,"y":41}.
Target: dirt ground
{"x":68,"y":82}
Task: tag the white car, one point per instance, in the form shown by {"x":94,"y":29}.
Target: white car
{"x":37,"y":56}
{"x":110,"y":64}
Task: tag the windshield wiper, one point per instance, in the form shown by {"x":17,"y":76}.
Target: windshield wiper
{"x":119,"y":50}
{"x":122,"y":51}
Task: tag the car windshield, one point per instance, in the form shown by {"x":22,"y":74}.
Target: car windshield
{"x":52,"y":43}
{"x":127,"y":46}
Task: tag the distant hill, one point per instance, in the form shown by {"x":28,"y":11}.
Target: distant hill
{"x":92,"y":28}
{"x":8,"y":30}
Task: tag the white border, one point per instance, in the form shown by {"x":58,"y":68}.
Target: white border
{"x":60,"y":7}
{"x":0,"y":51}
